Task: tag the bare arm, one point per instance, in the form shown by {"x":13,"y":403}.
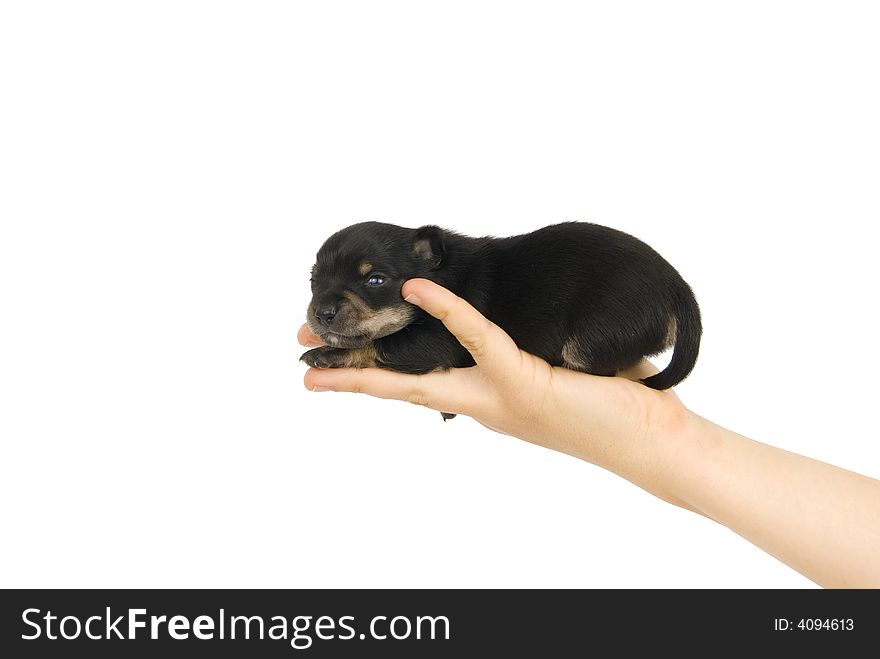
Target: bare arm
{"x":821,"y":520}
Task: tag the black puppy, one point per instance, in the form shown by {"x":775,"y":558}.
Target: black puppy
{"x":579,"y":295}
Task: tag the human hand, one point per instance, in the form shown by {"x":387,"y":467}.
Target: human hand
{"x":613,"y":422}
{"x":783,"y":502}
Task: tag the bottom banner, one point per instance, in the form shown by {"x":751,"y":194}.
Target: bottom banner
{"x":315,"y":623}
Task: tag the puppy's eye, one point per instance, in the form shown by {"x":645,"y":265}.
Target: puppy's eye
{"x":375,"y":280}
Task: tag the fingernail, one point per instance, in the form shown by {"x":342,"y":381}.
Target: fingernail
{"x":317,"y":388}
{"x":412,"y":298}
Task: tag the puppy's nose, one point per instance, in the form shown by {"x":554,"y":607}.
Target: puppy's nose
{"x":326,"y":315}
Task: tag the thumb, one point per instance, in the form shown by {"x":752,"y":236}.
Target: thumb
{"x":490,"y":346}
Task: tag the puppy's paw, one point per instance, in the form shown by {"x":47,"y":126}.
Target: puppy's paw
{"x":325,"y":357}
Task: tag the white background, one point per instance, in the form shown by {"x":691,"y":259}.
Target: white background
{"x":170,"y":168}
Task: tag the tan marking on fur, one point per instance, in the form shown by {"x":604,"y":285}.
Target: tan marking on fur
{"x":377,"y":323}
{"x":364,"y":357}
{"x":571,"y":357}
{"x":362,"y":307}
{"x":387,"y":321}
{"x":671,"y":333}
{"x":365,"y":267}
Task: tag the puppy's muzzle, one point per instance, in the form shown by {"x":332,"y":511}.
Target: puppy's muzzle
{"x":325,"y":315}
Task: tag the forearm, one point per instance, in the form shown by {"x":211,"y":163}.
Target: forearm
{"x":821,"y":520}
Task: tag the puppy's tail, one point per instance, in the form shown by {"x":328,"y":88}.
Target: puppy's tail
{"x":689,"y":329}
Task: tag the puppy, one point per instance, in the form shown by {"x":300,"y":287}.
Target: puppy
{"x":578,"y":295}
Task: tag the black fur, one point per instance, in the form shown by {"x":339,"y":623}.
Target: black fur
{"x":596,"y":296}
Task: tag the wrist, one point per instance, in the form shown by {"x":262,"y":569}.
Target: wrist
{"x":679,"y":443}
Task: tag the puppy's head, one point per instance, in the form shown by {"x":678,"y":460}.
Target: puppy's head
{"x":357,"y":277}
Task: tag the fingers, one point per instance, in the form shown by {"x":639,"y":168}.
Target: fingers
{"x":307,"y":338}
{"x":457,"y":391}
{"x":492,"y":349}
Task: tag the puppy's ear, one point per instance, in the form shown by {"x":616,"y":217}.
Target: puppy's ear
{"x":428,"y":244}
